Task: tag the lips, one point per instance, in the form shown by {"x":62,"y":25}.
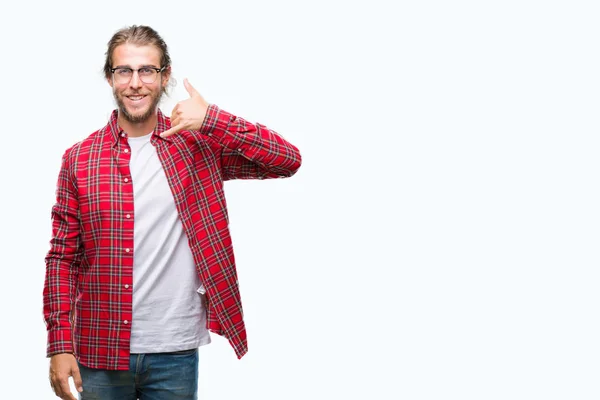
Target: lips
{"x":136,"y":97}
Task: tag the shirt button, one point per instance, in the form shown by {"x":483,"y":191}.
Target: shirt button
{"x":129,"y":215}
{"x":125,"y":322}
{"x":239,"y":150}
{"x":126,"y":286}
{"x":126,"y":180}
{"x":123,"y":134}
{"x":127,"y":250}
{"x":126,"y":151}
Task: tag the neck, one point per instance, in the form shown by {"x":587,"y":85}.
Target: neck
{"x":136,"y":129}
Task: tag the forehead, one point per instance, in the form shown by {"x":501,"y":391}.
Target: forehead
{"x":135,"y":56}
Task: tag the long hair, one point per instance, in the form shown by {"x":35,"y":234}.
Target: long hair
{"x":139,"y":35}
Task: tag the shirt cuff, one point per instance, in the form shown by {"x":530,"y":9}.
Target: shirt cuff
{"x":216,"y":123}
{"x":59,"y":341}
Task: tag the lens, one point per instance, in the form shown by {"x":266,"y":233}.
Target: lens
{"x":123,"y":75}
{"x":147,"y":75}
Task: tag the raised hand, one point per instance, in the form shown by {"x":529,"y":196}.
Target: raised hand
{"x":188,"y":114}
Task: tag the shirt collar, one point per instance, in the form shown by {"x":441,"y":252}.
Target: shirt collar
{"x":162,"y":124}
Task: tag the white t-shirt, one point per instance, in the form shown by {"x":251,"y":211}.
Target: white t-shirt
{"x":168,"y":297}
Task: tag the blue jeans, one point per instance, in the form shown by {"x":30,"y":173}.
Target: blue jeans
{"x":152,"y":376}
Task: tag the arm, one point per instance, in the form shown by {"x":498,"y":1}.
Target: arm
{"x":250,"y":151}
{"x":62,"y":262}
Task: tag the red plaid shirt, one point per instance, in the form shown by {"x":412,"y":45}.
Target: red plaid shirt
{"x":89,"y":267}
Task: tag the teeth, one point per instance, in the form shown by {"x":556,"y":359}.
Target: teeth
{"x":136,"y":97}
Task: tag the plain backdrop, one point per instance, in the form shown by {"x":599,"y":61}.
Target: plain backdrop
{"x":440,"y":240}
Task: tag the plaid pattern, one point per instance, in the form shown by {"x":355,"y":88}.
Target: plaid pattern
{"x":89,"y":267}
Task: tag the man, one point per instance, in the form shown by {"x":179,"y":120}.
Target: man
{"x":140,"y":266}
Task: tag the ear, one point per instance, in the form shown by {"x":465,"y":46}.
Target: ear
{"x":165,"y":76}
{"x":110,"y":81}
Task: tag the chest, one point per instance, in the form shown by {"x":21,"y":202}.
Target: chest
{"x":109,"y":177}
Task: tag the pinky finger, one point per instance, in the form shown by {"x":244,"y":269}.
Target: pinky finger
{"x":172,"y":131}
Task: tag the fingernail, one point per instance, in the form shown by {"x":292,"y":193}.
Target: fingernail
{"x":80,"y":389}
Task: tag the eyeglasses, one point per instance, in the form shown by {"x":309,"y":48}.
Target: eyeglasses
{"x":147,"y":74}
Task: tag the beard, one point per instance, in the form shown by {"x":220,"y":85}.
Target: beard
{"x":144,"y":115}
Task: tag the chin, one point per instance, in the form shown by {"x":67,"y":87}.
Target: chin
{"x":138,"y":115}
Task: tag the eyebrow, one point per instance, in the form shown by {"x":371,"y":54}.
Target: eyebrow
{"x":142,"y":66}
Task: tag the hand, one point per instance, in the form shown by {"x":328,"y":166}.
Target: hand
{"x":62,"y":366}
{"x":187,"y":114}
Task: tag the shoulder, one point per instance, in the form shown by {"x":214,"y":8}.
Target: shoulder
{"x":75,"y":149}
{"x":83,"y":147}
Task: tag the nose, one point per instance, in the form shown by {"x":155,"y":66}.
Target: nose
{"x":135,"y":82}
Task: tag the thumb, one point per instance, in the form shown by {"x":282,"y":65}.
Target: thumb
{"x":190,"y":89}
{"x":77,"y":379}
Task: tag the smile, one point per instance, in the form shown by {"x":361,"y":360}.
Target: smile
{"x":135,"y":98}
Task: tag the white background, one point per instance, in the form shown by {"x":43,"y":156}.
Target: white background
{"x":441,"y":238}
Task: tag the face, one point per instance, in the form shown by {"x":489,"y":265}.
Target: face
{"x":137,"y":101}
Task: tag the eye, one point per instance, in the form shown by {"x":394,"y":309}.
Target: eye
{"x":145,"y":71}
{"x":123,"y":71}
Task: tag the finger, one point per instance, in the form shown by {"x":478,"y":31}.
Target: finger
{"x":53,"y":388}
{"x":174,"y":114}
{"x":172,"y":131}
{"x":77,"y":380}
{"x":190,"y":89}
{"x":65,"y":390}
{"x":55,"y":384}
{"x":175,"y":121}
